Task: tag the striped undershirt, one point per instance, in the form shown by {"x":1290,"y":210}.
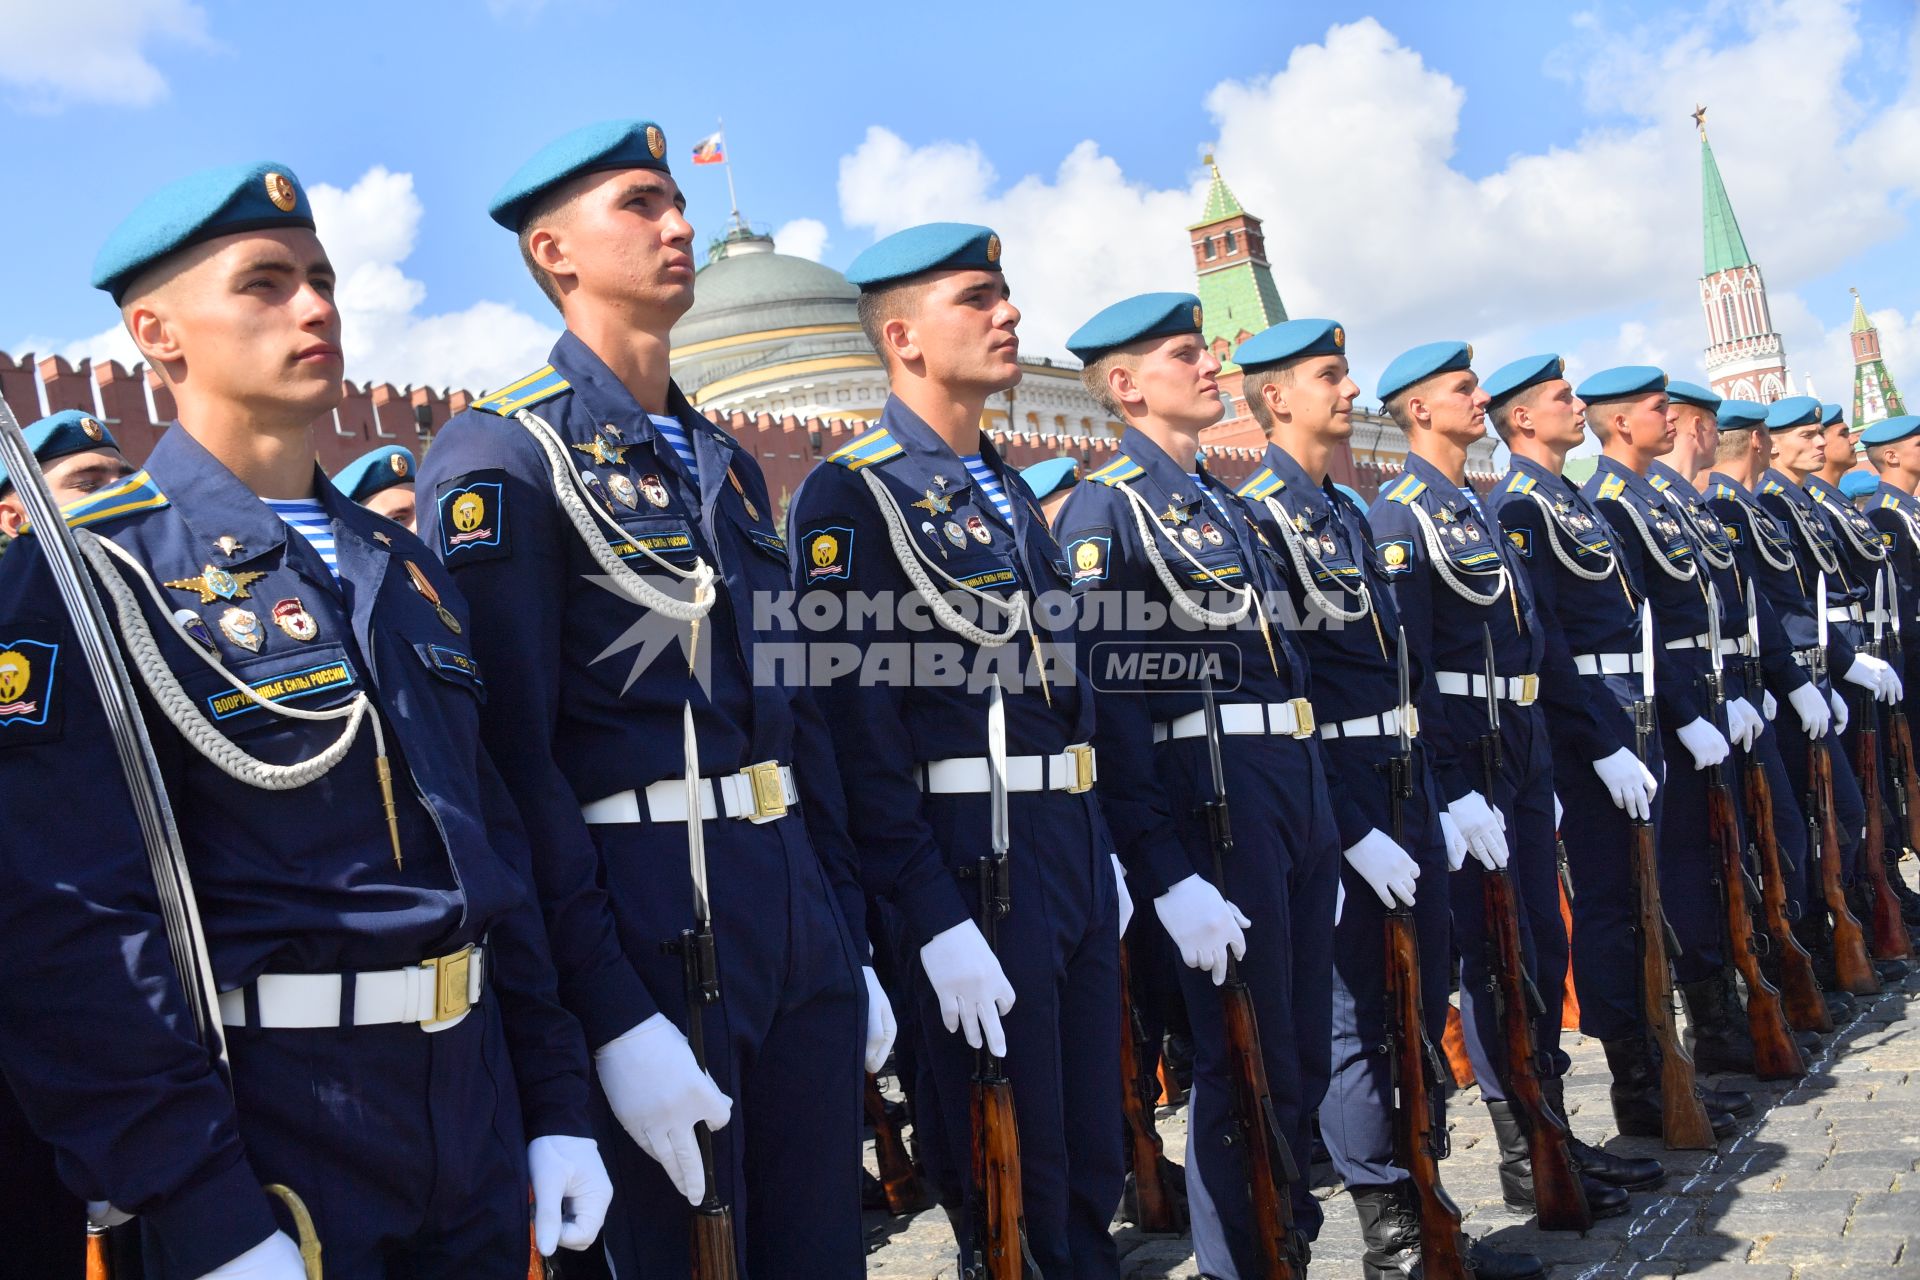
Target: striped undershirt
{"x":1212,"y":497}
{"x":308,"y":517}
{"x":989,"y":484}
{"x":675,"y":434}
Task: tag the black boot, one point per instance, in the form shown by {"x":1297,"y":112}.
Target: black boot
{"x":1717,"y":1034}
{"x":1725,"y":1103}
{"x":1490,"y":1263}
{"x":1809,"y":1042}
{"x":1516,"y":1169}
{"x":1390,"y":1229}
{"x":1601,"y":1166}
{"x":1637,"y":1110}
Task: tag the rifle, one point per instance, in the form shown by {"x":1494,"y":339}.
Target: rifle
{"x":1849,"y":943}
{"x":999,"y":1222}
{"x":1806,"y":1010}
{"x":1156,"y":1209}
{"x":1271,"y":1172}
{"x":1776,"y":1055}
{"x":1419,"y":1111}
{"x":1906,"y":781}
{"x":1683,"y":1116}
{"x":1559,"y":1199}
{"x":898,"y":1178}
{"x":1890,"y":938}
{"x":713,"y":1256}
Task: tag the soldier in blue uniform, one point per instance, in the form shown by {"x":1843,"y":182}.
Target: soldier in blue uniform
{"x":381,"y":480}
{"x":1893,"y":447}
{"x":78,"y":456}
{"x":389,"y":1003}
{"x":928,"y":560}
{"x":1153,"y":525}
{"x":1457,"y":581}
{"x":1298,"y":388}
{"x":620,"y":553}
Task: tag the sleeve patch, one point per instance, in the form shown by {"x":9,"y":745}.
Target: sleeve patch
{"x":472,"y":517}
{"x":829,"y":553}
{"x":1733,"y":533}
{"x":1522,"y":541}
{"x":1091,"y":557}
{"x":1396,"y":556}
{"x":30,"y":695}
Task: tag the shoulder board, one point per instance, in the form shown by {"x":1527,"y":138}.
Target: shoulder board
{"x":1819,"y":496}
{"x":1773,"y":486}
{"x":542,"y":384}
{"x":1660,"y":483}
{"x":1121,"y":468}
{"x":1521,"y":482}
{"x":866,"y":449}
{"x":1723,"y":490}
{"x":1262,"y":483}
{"x":136,"y":493}
{"x":1405,"y":490}
{"x":1611,"y":487}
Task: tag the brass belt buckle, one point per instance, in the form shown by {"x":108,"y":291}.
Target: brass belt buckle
{"x":1303,"y":721}
{"x":769,"y":792}
{"x":1082,"y":756}
{"x":451,"y":975}
{"x":1529,"y":689}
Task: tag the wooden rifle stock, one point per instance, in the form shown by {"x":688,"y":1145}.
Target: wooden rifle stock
{"x":1806,"y":1010}
{"x":1155,"y":1209}
{"x":1776,"y":1056}
{"x":98,"y":1265}
{"x":1684,"y":1121}
{"x":999,"y":1226}
{"x":898,"y":1177}
{"x":1890,"y":938}
{"x":1849,"y":941}
{"x":1906,"y":782}
{"x":713,"y":1256}
{"x":1419,"y":1133}
{"x":1270,"y":1168}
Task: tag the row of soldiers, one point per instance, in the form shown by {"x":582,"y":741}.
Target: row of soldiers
{"x":557,"y":852}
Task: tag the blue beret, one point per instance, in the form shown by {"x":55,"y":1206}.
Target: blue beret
{"x":1423,"y":362}
{"x":612,"y":144}
{"x":1510,"y":380}
{"x":1353,"y":493}
{"x":1622,"y":382}
{"x":1694,"y":394}
{"x":1892,"y":430}
{"x":69,"y":431}
{"x":1146,"y":315}
{"x":1738,"y":415}
{"x":1794,"y":411}
{"x":377,"y":469}
{"x":1858,"y":484}
{"x":1051,"y":476}
{"x":931,"y":246}
{"x":218,"y":202}
{"x":1291,"y":340}
{"x":1830,"y":414}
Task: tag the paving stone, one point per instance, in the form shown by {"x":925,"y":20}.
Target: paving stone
{"x":1830,"y":1255}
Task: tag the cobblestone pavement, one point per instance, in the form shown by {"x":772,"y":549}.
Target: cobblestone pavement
{"x":1822,"y":1179}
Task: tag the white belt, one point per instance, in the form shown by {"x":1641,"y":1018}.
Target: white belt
{"x":436,"y":995}
{"x":1071,"y":771}
{"x":1607,"y":664}
{"x":1520,"y":689}
{"x":1844,"y":613}
{"x":1384,"y":725}
{"x":1728,"y":644}
{"x":1292,"y":719}
{"x":758,"y":793}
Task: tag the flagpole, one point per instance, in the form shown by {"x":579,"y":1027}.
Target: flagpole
{"x":727,"y":152}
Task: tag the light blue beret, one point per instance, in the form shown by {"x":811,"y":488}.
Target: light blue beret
{"x":217,"y":202}
{"x":931,"y":246}
{"x":1621,"y":382}
{"x":1794,"y":411}
{"x":1510,"y":380}
{"x":374,"y":470}
{"x":1423,"y":362}
{"x":1291,"y":340}
{"x":1858,"y":484}
{"x":1694,"y":394}
{"x":1146,"y":315}
{"x":1830,"y":414}
{"x":1891,"y":431}
{"x":1051,"y":476}
{"x":69,"y":431}
{"x":611,"y":144}
{"x":1353,"y":493}
{"x":1738,"y":415}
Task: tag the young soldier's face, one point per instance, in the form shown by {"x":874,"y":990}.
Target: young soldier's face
{"x":962,"y":328}
{"x":1802,"y":449}
{"x":1179,"y":379}
{"x":396,"y":503}
{"x":1839,"y":444}
{"x":1647,"y":424}
{"x":1558,"y":417}
{"x":1321,"y":396}
{"x":70,"y":478}
{"x":1456,"y":406}
{"x":626,"y":240}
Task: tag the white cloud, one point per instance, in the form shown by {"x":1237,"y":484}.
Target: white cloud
{"x":70,"y":51}
{"x":802,"y":238}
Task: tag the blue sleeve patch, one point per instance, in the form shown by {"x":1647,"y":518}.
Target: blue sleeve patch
{"x":472,"y":518}
{"x":829,"y":553}
{"x":1396,"y":555}
{"x":1090,"y":558}
{"x":30,"y":708}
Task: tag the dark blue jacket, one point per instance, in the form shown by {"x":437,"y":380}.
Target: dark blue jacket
{"x":1896,"y":514}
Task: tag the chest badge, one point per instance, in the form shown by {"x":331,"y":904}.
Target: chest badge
{"x":292,"y":617}
{"x":1212,"y":534}
{"x":654,"y":491}
{"x":242,"y":627}
{"x":978,"y":528}
{"x":598,"y":490}
{"x":228,"y":545}
{"x":426,"y":589}
{"x":1174,"y":515}
{"x":623,"y":491}
{"x":955,"y":534}
{"x":935,"y":504}
{"x":1191,"y":536}
{"x":197,"y":630}
{"x":607,"y":455}
{"x":217,"y":584}
{"x":383,"y":539}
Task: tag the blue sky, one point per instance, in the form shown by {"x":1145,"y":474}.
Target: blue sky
{"x":1522,"y":175}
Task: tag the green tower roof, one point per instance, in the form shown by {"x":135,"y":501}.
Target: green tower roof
{"x":1860,"y":322}
{"x":1726,"y":248}
{"x":1221,"y":202}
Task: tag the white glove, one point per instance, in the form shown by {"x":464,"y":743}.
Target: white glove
{"x":1483,"y":827}
{"x":1204,"y":925}
{"x":1383,"y":864}
{"x":1839,"y":705}
{"x":1870,"y":674}
{"x":1769,"y":706}
{"x":1126,"y":899}
{"x":970,"y":984}
{"x":1815,"y":716}
{"x":1704,"y":741}
{"x":275,"y":1258}
{"x":1744,"y":724}
{"x":1456,"y":842}
{"x":571,"y":1192}
{"x":881,"y":1027}
{"x":1629,"y":782}
{"x":658,"y":1093}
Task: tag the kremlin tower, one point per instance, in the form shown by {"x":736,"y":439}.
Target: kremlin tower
{"x":1746,"y":359}
{"x":1874,"y":395}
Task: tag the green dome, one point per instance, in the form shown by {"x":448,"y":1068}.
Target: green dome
{"x":749,"y":288}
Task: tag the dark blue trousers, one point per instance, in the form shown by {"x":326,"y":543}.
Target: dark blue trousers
{"x":784,"y":1042}
{"x":1688,"y":890}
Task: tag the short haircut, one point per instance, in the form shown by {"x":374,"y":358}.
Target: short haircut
{"x":888,"y":302}
{"x":1733,"y":443}
{"x":1876,"y":456}
{"x":1094,"y":379}
{"x":1251,"y":386}
{"x":1598,"y":413}
{"x":541,"y":210}
{"x":1396,"y":407}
